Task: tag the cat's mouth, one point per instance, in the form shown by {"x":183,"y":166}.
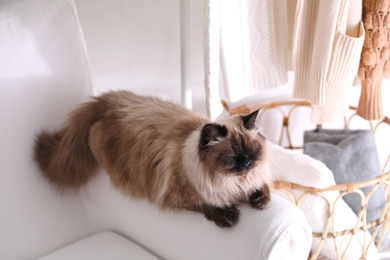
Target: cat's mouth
{"x":242,"y":169}
{"x":242,"y":173}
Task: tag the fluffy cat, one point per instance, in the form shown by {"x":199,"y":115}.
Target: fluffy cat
{"x":161,"y":151}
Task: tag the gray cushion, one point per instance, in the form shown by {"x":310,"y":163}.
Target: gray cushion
{"x":352,"y":157}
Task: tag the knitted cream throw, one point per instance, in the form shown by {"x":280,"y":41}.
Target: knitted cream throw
{"x":325,"y":59}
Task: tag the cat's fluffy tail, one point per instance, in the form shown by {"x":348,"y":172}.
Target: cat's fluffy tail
{"x":65,"y":157}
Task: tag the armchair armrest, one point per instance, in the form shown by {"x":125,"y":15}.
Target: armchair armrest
{"x":278,"y":232}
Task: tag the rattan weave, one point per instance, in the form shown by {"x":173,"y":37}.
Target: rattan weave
{"x":362,"y":225}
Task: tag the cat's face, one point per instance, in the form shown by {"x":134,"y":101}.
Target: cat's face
{"x":232,"y":146}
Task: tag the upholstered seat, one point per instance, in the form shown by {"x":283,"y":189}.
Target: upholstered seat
{"x":44,"y":74}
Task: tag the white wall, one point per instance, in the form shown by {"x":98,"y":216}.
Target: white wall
{"x":135,"y":45}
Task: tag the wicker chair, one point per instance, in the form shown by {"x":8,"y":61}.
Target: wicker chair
{"x":287,"y":109}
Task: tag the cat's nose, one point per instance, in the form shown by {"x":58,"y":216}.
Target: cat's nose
{"x":245,"y":161}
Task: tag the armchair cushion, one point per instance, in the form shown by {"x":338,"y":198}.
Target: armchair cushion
{"x":278,"y":232}
{"x":102,"y":246}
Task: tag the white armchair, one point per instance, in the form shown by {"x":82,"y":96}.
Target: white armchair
{"x":44,"y":74}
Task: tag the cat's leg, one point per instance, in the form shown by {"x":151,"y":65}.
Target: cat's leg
{"x":260,"y":198}
{"x":222,"y":216}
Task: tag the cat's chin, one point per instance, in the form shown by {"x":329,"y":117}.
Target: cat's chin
{"x":241,"y":173}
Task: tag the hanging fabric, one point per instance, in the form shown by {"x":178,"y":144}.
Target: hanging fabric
{"x":343,"y":67}
{"x":253,"y":47}
{"x":374,"y":63}
{"x":325,"y":59}
{"x":248,"y":42}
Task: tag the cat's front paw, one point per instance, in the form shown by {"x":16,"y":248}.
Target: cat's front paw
{"x":223,"y":217}
{"x":260,"y":198}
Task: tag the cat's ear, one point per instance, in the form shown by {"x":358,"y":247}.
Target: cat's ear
{"x":249,"y":120}
{"x":211,"y":132}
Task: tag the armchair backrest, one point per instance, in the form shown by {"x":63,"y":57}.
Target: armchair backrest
{"x":44,"y":74}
